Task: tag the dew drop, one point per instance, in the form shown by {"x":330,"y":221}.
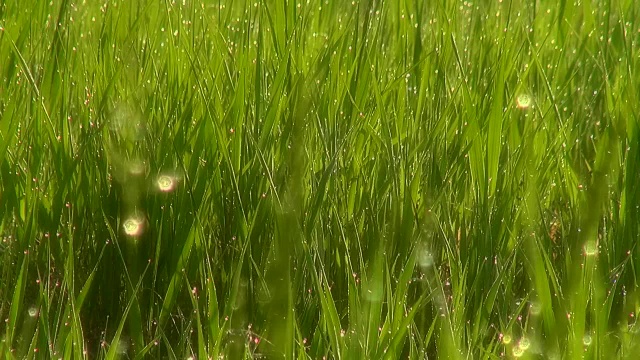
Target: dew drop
{"x":518,"y":351}
{"x":133,"y":226}
{"x":33,"y":311}
{"x":166,"y":183}
{"x":523,"y":101}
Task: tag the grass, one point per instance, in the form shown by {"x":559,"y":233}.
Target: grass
{"x":340,"y":180}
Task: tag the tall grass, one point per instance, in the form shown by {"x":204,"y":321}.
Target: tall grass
{"x":344,"y":180}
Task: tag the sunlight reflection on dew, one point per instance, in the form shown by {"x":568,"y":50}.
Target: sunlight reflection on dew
{"x":587,"y":339}
{"x":518,"y":351}
{"x":523,"y":101}
{"x":133,"y":226}
{"x":33,"y":311}
{"x":525,"y":343}
{"x":166,"y":183}
{"x":506,"y":339}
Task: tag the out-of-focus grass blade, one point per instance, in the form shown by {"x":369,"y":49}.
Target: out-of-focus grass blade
{"x":17,"y":301}
{"x":8,"y":126}
{"x":114,"y":347}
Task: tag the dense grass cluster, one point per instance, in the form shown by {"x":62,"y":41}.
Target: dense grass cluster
{"x":319,"y":179}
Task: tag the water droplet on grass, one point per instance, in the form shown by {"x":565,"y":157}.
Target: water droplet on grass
{"x":133,"y":226}
{"x":33,"y":311}
{"x":523,"y":101}
{"x":166,"y":183}
{"x":518,"y":351}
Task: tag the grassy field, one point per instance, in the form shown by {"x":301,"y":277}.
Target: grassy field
{"x":319,"y":179}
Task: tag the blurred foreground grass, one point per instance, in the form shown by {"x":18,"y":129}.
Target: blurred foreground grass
{"x":349,"y":180}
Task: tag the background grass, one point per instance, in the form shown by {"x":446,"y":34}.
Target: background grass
{"x":343,"y":180}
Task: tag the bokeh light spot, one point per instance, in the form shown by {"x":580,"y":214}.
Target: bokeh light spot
{"x":166,"y":183}
{"x":133,"y":226}
{"x":523,"y":101}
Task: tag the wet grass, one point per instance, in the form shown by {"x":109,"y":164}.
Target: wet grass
{"x":341,"y":180}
